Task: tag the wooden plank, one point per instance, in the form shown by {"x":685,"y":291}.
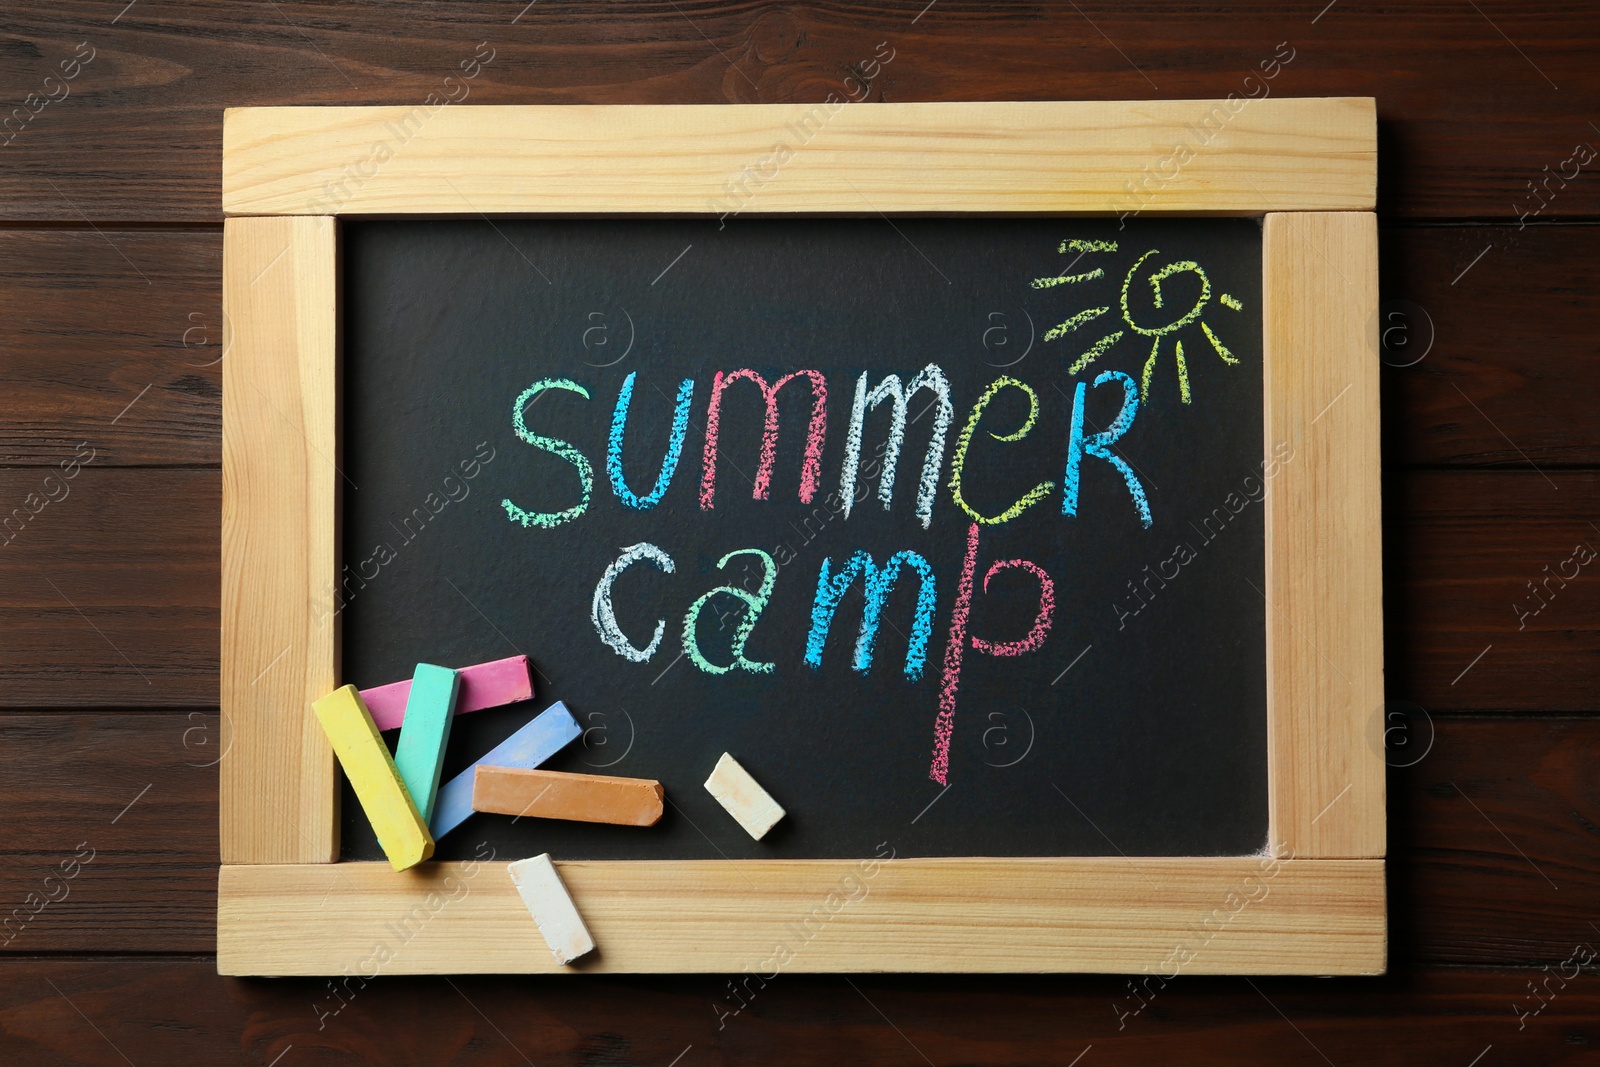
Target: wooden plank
{"x":108,"y":587}
{"x":1324,"y":568}
{"x":159,"y":1011}
{"x":1498,"y":823}
{"x":135,"y":552}
{"x":105,"y":821}
{"x":84,"y":335}
{"x":1464,"y":547}
{"x":1459,"y":893}
{"x":1012,"y":915}
{"x":279,"y":548}
{"x":140,"y":136}
{"x":1489,"y":346}
{"x":1294,"y":155}
{"x":112,"y":338}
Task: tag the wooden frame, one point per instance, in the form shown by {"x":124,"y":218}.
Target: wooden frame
{"x":1314,"y":904}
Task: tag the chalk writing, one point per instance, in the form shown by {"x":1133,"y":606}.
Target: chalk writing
{"x":1134,"y":321}
{"x":1032,"y":496}
{"x":879,"y":583}
{"x":1099,"y":446}
{"x":754,"y":604}
{"x":930,"y":378}
{"x":955,"y":649}
{"x":560,"y":448}
{"x":605,"y":619}
{"x":669,"y":464}
{"x":812,"y":467}
{"x":1162,"y":300}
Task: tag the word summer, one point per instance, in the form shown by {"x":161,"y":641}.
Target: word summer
{"x":836,"y":576}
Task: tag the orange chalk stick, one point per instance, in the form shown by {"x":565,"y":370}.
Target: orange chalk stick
{"x":559,"y":795}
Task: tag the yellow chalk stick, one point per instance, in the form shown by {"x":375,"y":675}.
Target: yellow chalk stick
{"x":366,"y":761}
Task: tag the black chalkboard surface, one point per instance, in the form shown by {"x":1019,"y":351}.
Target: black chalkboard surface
{"x":1088,"y":675}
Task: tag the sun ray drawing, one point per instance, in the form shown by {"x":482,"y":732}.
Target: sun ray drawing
{"x":1135,"y":320}
{"x":1073,"y":323}
{"x":1082,"y":247}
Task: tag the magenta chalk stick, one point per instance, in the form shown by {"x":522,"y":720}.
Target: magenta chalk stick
{"x":483,"y":685}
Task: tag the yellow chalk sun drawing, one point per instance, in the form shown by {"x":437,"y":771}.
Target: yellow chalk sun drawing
{"x":1130,"y":322}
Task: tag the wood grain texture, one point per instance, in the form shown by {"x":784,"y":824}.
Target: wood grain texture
{"x":1459,"y":893}
{"x":1253,"y":915}
{"x":111,"y":338}
{"x":1048,"y":157}
{"x":1467,"y":119}
{"x":1468,"y":116}
{"x":134,"y":791}
{"x":166,"y":1011}
{"x":1464,"y":546}
{"x":108,"y":587}
{"x":135,"y":552}
{"x":83,"y":335}
{"x":279,"y":539}
{"x":1324,"y":576}
{"x":1498,"y":825}
{"x":1489,"y":346}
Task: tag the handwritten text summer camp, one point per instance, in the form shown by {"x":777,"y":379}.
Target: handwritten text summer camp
{"x":836,"y":576}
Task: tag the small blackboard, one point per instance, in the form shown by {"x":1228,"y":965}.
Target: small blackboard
{"x":1124,"y":712}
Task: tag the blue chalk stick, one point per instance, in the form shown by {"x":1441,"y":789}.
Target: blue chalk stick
{"x":548,"y":733}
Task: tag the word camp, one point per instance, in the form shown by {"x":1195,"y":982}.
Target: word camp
{"x":836,"y":576}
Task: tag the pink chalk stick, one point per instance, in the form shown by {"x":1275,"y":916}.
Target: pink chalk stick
{"x":483,"y":685}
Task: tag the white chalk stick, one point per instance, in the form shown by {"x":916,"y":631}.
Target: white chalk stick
{"x":743,"y":796}
{"x":547,"y":899}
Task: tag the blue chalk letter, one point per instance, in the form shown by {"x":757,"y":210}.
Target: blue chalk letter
{"x":879,"y":583}
{"x":1099,"y":445}
{"x":669,"y":465}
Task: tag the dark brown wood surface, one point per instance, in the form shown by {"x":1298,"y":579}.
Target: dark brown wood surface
{"x":1475,"y":101}
{"x":110,"y":341}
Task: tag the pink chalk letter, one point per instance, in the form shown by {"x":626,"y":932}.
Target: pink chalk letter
{"x":944,"y":725}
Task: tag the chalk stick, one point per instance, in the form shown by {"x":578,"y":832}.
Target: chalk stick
{"x":575,"y":797}
{"x":366,"y":761}
{"x":420,"y":754}
{"x":483,"y":685}
{"x":548,"y":733}
{"x":743,"y":796}
{"x":547,"y":899}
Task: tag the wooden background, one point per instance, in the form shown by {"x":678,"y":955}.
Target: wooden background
{"x":111,"y":333}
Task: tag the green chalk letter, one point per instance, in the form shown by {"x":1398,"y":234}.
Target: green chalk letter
{"x":1032,"y":496}
{"x":547,"y":519}
{"x":754,"y":603}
